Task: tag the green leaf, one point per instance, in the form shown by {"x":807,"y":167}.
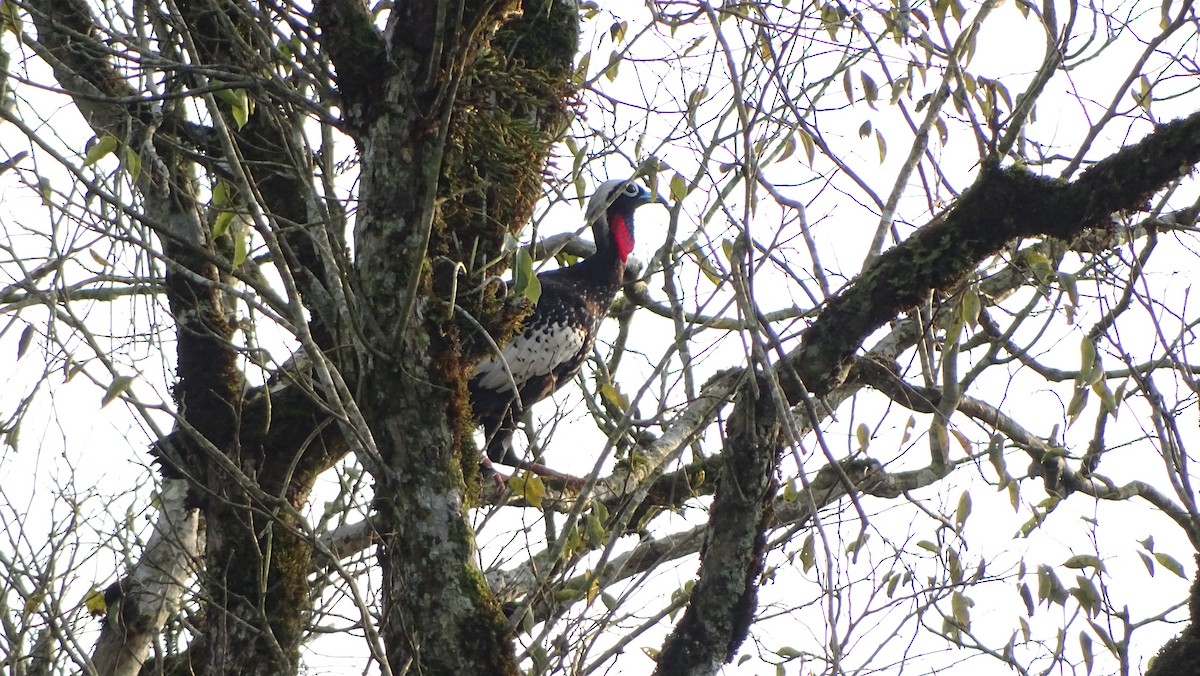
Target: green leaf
{"x":220,"y":193}
{"x":1087,"y":595}
{"x":525,"y":281}
{"x":1027,"y":597}
{"x":863,"y":434}
{"x":1149,"y":562}
{"x":870,"y":89}
{"x":118,"y":386}
{"x":810,"y":147}
{"x":1100,"y":387}
{"x":614,"y":396}
{"x":1170,"y":564}
{"x":995,"y":451}
{"x":1087,"y":361}
{"x":678,"y":187}
{"x":710,"y":271}
{"x":133,"y":164}
{"x":533,"y":490}
{"x":963,"y":511}
{"x":103,"y":146}
{"x":24,"y":341}
{"x":808,"y":555}
{"x":1040,"y":266}
{"x":617,"y":31}
{"x":221,"y":224}
{"x":581,"y":69}
{"x":94,"y":602}
{"x":596,"y":535}
{"x":788,"y":653}
{"x":961,"y":606}
{"x":241,"y":249}
{"x":608,"y":600}
{"x":1085,"y":646}
{"x":928,"y":546}
{"x":790,"y":494}
{"x":879,"y":141}
{"x":239,"y":104}
{"x":1105,"y":638}
{"x":10,"y":17}
{"x":832,"y":20}
{"x":1085,"y":561}
{"x":943,"y":131}
{"x":788,"y":148}
{"x":614,"y":64}
{"x":1078,"y":403}
{"x":971,"y":307}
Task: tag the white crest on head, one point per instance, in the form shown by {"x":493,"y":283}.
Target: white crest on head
{"x":602,"y":199}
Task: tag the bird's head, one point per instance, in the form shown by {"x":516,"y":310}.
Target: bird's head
{"x":610,"y":212}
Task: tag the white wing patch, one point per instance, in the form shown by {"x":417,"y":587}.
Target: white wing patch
{"x":535,"y":352}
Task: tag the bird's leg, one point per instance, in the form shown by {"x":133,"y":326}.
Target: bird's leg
{"x":488,"y":472}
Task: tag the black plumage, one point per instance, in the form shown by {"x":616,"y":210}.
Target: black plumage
{"x":555,"y":340}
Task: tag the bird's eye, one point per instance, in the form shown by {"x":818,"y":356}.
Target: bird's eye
{"x":632,"y":190}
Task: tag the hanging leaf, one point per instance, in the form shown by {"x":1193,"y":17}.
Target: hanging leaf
{"x":863,"y":434}
{"x":614,"y":64}
{"x":617,"y":31}
{"x":1148,"y":562}
{"x":581,"y":69}
{"x":810,"y":148}
{"x":221,"y":224}
{"x":870,"y":89}
{"x":1170,"y":564}
{"x":963,"y":511}
{"x":241,"y":249}
{"x":971,"y":307}
{"x":525,"y":281}
{"x":132,"y":163}
{"x":679,"y":187}
{"x":787,"y":149}
{"x":1027,"y":597}
{"x":10,"y":17}
{"x":1087,"y":362}
{"x":882,"y":146}
{"x":1085,"y":561}
{"x":531,"y":488}
{"x":118,"y":386}
{"x":1086,"y":595}
{"x":24,"y":341}
{"x":614,"y":396}
{"x":961,"y":606}
{"x":102,"y":146}
{"x":865,"y":130}
{"x":94,"y":602}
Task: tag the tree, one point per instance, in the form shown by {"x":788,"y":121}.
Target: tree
{"x":302,"y":213}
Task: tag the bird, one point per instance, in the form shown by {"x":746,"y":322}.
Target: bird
{"x":554,"y":341}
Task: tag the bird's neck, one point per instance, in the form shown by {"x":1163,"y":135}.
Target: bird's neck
{"x":621,"y":231}
{"x":607,"y":265}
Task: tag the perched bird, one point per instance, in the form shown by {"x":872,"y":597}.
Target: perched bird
{"x":555,"y":340}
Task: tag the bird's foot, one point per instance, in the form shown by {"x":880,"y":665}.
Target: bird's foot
{"x":489,"y":474}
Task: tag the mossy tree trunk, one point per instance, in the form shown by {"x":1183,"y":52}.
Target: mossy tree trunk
{"x":452,"y":153}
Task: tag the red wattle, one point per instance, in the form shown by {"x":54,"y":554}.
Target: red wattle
{"x":621,"y":236}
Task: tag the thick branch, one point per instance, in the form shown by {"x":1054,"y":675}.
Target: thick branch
{"x":1002,"y":205}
